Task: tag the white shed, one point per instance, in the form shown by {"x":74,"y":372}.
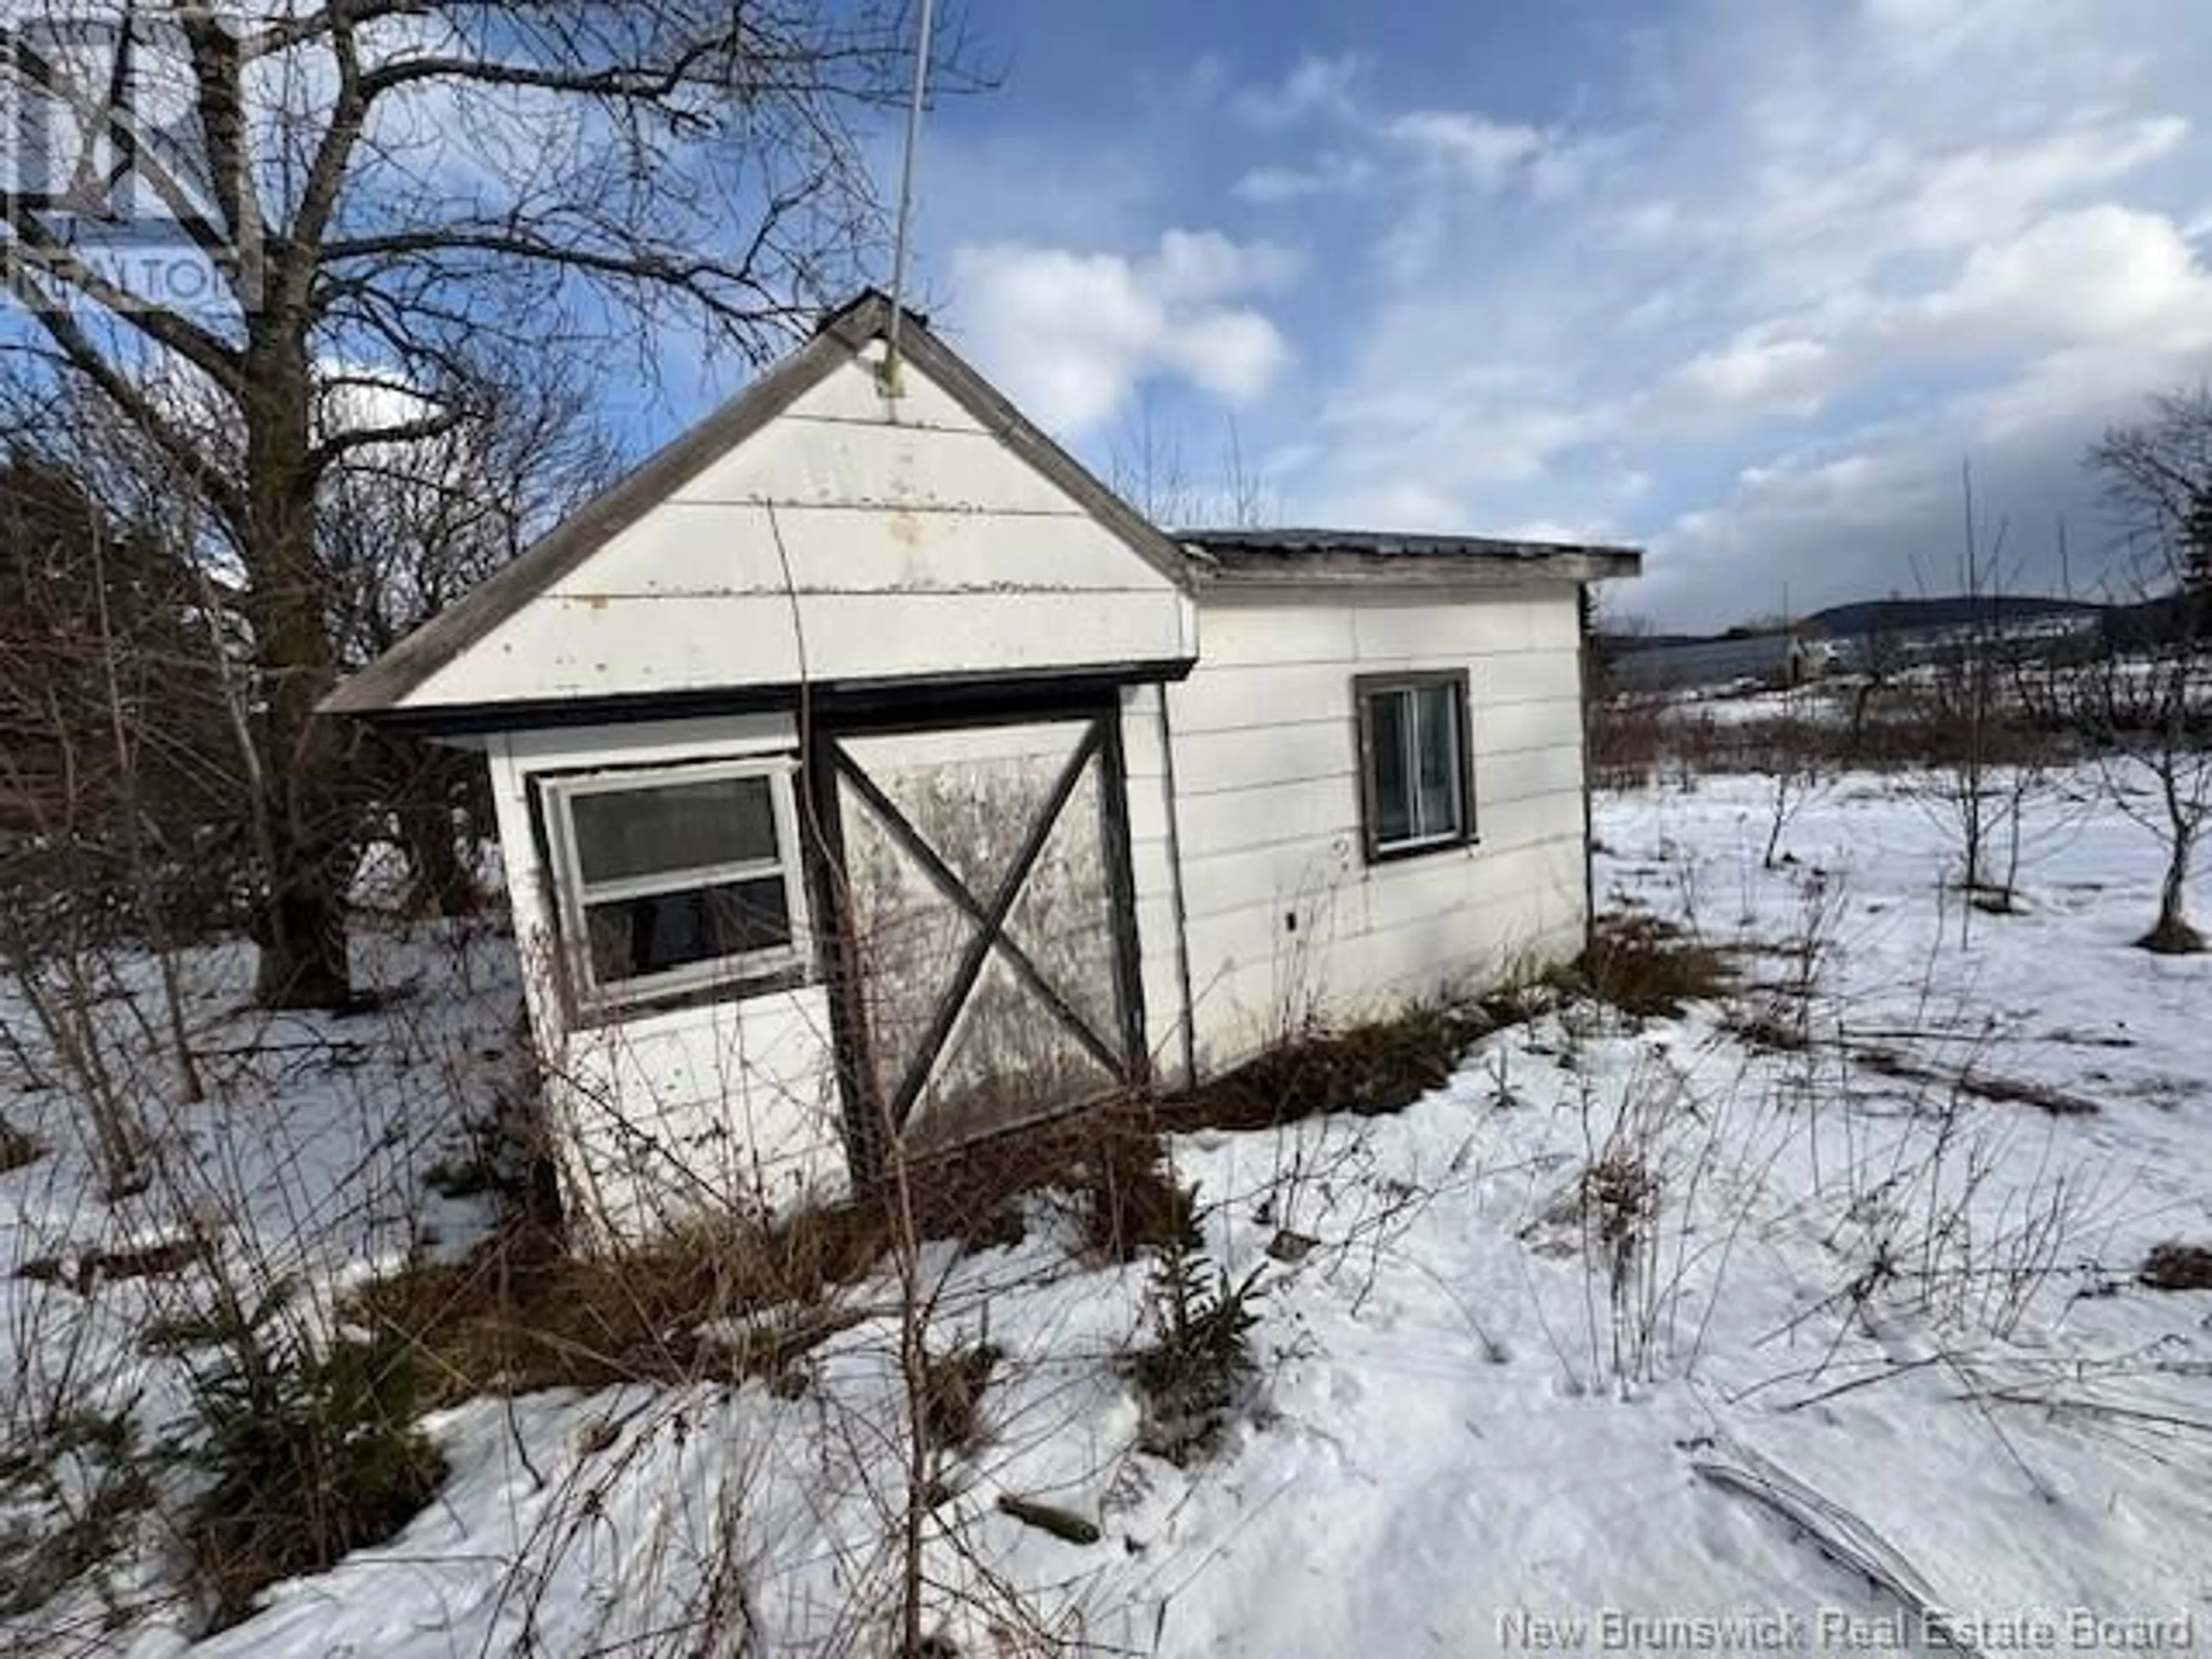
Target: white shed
{"x":867,"y":770}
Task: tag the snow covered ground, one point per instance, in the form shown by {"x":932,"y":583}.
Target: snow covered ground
{"x":313,"y":1160}
{"x":1778,"y":1324}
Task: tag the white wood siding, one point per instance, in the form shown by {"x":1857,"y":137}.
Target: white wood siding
{"x":722,"y":1109}
{"x":734,"y":1105}
{"x":1285,"y":919}
{"x":849,"y":538}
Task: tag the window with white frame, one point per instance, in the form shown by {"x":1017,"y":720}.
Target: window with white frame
{"x":1416,"y":764}
{"x":677,"y":879}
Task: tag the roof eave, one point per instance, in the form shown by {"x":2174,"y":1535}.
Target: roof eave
{"x":471,"y":721}
{"x":1421,"y":572}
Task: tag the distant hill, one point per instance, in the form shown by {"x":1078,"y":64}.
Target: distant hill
{"x":1910,"y":616}
{"x":1627,"y":642}
{"x":1864,"y":617}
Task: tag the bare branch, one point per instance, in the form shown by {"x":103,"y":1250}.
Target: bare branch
{"x":77,"y":350}
{"x":38,"y":245}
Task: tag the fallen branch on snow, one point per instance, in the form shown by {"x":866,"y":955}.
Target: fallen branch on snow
{"x":1835,"y":1531}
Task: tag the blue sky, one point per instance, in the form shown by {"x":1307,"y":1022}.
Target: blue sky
{"x":1746,"y":282}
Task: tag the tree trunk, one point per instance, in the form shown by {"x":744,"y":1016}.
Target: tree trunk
{"x":429,"y":795}
{"x":303,"y":941}
{"x":440,"y":883}
{"x":309,"y":840}
{"x":2174,"y":936}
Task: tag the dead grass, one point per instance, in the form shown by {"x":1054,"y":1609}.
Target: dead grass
{"x":1768,"y":1033}
{"x":1104,"y":1164}
{"x":953,"y":1396}
{"x":1636,"y":737}
{"x":1648,"y":967}
{"x":521,"y":1313}
{"x":1616,"y":1197}
{"x":1367,"y":1070}
{"x":2178,"y":1267}
{"x":518,"y":1314}
{"x":1126,"y":1201}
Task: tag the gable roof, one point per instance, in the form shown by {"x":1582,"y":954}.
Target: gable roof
{"x":1368,"y":558}
{"x":385,"y":683}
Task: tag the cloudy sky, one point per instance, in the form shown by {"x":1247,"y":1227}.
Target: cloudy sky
{"x":1746,"y":282}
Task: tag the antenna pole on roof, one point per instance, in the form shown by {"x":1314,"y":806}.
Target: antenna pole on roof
{"x":890,"y":368}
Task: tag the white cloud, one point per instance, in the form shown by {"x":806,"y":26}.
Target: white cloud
{"x":2099,"y":273}
{"x":1747,"y":377}
{"x":1411,"y":455}
{"x":1586,"y":531}
{"x":1750,"y":291}
{"x":1073,"y":336}
{"x":1233,"y":353}
{"x":1333,"y":173}
{"x":1790,"y":270}
{"x":1426,"y":148}
{"x":1846,"y":493}
{"x":1470,"y":147}
{"x":1316,"y":87}
{"x":1205,"y":264}
{"x":1452,"y":149}
{"x":2073,"y":304}
{"x":1990,"y":190}
{"x":1797,"y":528}
{"x":1930,"y":39}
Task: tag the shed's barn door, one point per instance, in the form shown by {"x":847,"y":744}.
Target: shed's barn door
{"x":986,"y":925}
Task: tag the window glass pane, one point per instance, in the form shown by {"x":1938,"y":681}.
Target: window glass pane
{"x":1389,"y":741}
{"x":1437,"y":760}
{"x":630,"y":938}
{"x":652,"y":829}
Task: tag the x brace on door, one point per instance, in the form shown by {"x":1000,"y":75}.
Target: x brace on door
{"x":886,"y":1104}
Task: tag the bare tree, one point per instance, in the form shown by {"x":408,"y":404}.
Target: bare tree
{"x":113,"y":751}
{"x":1792,"y":768}
{"x":1245,"y":501}
{"x":1981,"y":775}
{"x":385,"y":194}
{"x":111,"y":731}
{"x":1147,"y":468}
{"x":406,"y":529}
{"x":2157,"y":482}
{"x":1880,"y":658}
{"x":2153,"y":691}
